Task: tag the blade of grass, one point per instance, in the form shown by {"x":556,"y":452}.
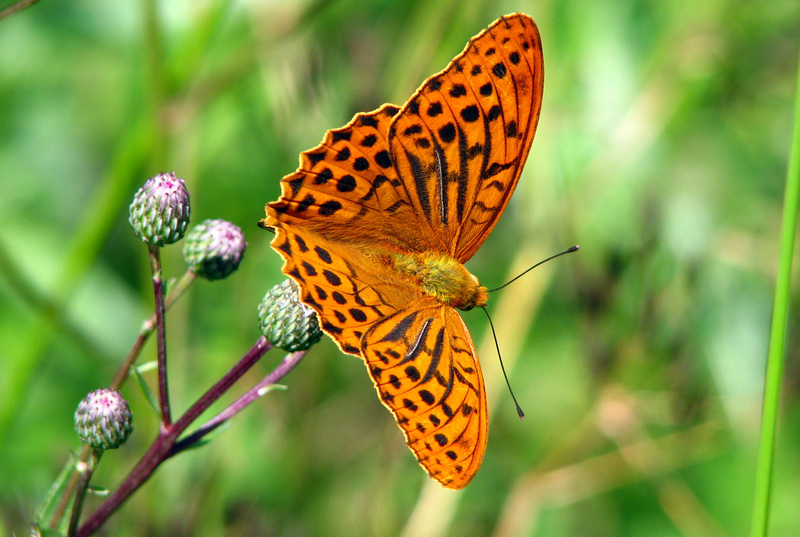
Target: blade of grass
{"x":777,"y":338}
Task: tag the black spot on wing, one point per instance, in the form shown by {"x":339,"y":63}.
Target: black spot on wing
{"x":383,"y":159}
{"x":399,"y":330}
{"x":346,"y":183}
{"x":316,"y":157}
{"x":360,"y":164}
{"x":332,"y":278}
{"x":369,"y":121}
{"x":447,"y":133}
{"x":470,"y":114}
{"x":499,"y":70}
{"x":323,"y":254}
{"x":338,"y":136}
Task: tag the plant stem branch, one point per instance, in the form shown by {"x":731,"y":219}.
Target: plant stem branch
{"x":161,"y":338}
{"x":288,"y":363}
{"x":66,"y":496}
{"x":147,"y":328}
{"x":163,"y":445}
{"x":223,"y":385}
{"x":777,"y":337}
{"x":83,"y":484}
{"x":19,"y":6}
{"x":119,"y":379}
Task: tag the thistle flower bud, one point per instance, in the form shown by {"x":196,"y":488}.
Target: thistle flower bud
{"x":103,"y":419}
{"x":160,"y":210}
{"x":214,"y":248}
{"x":286,"y":322}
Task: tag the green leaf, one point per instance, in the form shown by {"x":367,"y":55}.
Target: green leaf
{"x":148,"y":393}
{"x":98,"y":491}
{"x":46,"y":532}
{"x":55,"y":493}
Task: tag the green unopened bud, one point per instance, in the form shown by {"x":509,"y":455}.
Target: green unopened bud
{"x":103,"y":419}
{"x":160,"y":210}
{"x":214,"y":248}
{"x":286,"y":322}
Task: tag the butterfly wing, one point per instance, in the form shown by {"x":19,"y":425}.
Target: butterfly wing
{"x":346,"y":190}
{"x":348,"y":289}
{"x":460,"y":142}
{"x":344,"y":203}
{"x":425,"y":370}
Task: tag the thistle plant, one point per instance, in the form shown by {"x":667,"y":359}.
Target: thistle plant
{"x":213,"y":250}
{"x":159,"y":213}
{"x":285,"y":321}
{"x":103,"y":419}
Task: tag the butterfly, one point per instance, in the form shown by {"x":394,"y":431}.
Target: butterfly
{"x":377,"y":221}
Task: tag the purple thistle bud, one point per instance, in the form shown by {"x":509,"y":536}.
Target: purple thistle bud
{"x":214,"y":248}
{"x":286,"y":322}
{"x":103,"y":419}
{"x":160,"y":210}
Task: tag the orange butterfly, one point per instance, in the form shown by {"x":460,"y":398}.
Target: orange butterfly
{"x":377,"y":221}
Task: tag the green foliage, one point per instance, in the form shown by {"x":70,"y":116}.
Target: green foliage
{"x":639,"y":361}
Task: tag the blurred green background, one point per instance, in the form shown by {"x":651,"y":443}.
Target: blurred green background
{"x":639,"y":361}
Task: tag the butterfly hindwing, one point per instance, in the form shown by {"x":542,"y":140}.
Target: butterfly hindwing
{"x":426,"y":371}
{"x":349,"y":290}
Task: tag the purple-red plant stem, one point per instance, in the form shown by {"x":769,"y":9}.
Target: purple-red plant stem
{"x":19,"y":6}
{"x":147,"y":329}
{"x":161,"y":338}
{"x":140,"y":473}
{"x":80,"y":493}
{"x":163,"y":444}
{"x":119,"y":379}
{"x":288,"y":363}
{"x":223,"y":385}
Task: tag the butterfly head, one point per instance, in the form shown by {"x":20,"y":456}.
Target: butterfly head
{"x":478,"y":297}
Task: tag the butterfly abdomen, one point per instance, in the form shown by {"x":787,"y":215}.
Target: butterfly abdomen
{"x":442,"y":277}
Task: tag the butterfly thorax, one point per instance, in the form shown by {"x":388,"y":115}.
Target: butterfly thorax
{"x":442,"y":277}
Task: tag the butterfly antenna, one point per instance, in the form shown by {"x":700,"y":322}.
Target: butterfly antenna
{"x":567,"y":251}
{"x":502,"y":367}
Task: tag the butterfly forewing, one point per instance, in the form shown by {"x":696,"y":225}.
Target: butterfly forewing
{"x":347,"y":184}
{"x":460,"y":142}
{"x":426,"y":372}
